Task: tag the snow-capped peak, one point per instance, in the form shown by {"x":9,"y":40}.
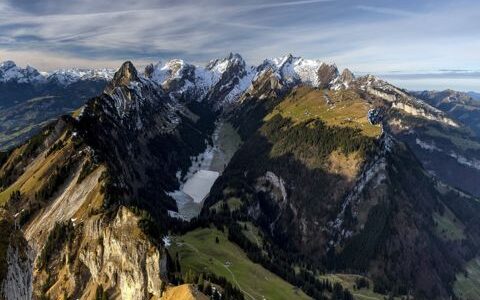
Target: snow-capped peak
{"x":69,"y":76}
{"x":8,"y":64}
{"x":219,"y":66}
{"x":293,"y":69}
{"x":180,"y":78}
{"x":9,"y":71}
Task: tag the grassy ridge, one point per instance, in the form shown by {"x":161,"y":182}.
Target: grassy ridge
{"x":335,"y":108}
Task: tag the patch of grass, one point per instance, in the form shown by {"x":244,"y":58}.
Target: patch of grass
{"x":348,"y":281}
{"x":199,"y":252}
{"x":467,"y":285}
{"x":233,"y":203}
{"x":448,"y":227}
{"x":252,"y":233}
{"x":344,"y":109}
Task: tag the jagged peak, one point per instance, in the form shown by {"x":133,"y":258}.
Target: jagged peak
{"x":126,"y":74}
{"x":8,"y":64}
{"x":221,"y":65}
{"x":9,"y":71}
{"x":236,"y":56}
{"x":127,"y":71}
{"x":347,"y":75}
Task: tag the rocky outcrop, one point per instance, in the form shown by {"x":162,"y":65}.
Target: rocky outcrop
{"x":18,"y":282}
{"x":326,"y":75}
{"x":418,"y":111}
{"x":403,"y":101}
{"x":183,"y":292}
{"x":120,"y":257}
{"x":16,"y":261}
{"x":347,"y":77}
{"x":110,"y":252}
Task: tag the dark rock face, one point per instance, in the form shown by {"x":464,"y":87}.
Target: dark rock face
{"x":149,"y":69}
{"x":326,"y":74}
{"x":347,"y":76}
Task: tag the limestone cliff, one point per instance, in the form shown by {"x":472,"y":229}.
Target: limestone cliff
{"x":113,"y":254}
{"x":15,"y":261}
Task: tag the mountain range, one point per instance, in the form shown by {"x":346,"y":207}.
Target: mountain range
{"x":31,"y":98}
{"x":285,"y":180}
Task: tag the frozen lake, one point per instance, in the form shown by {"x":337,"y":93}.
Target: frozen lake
{"x":199,"y":185}
{"x":204,"y":171}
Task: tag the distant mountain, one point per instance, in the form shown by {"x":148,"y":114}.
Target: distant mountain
{"x":474,"y":95}
{"x":341,"y":187}
{"x":11,"y":73}
{"x":31,"y":98}
{"x":452,"y":154}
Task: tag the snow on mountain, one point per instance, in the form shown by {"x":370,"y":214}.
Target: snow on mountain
{"x":69,"y":76}
{"x":243,"y":84}
{"x":297,"y":69}
{"x":10,"y":72}
{"x":180,"y":78}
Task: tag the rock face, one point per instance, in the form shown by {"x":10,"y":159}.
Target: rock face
{"x":145,"y":137}
{"x":16,"y":261}
{"x":347,"y":76}
{"x":327,"y":74}
{"x":18,"y":282}
{"x":119,"y":256}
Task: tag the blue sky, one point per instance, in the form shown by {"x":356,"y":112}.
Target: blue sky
{"x":417,"y":44}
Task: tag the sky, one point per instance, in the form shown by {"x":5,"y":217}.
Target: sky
{"x":416,"y":44}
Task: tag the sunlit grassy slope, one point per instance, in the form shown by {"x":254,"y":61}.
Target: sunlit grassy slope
{"x":341,"y":108}
{"x":199,"y":251}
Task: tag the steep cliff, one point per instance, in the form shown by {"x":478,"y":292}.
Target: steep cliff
{"x":108,"y":252}
{"x":16,"y":260}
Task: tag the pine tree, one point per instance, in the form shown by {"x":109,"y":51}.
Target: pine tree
{"x":200,"y":282}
